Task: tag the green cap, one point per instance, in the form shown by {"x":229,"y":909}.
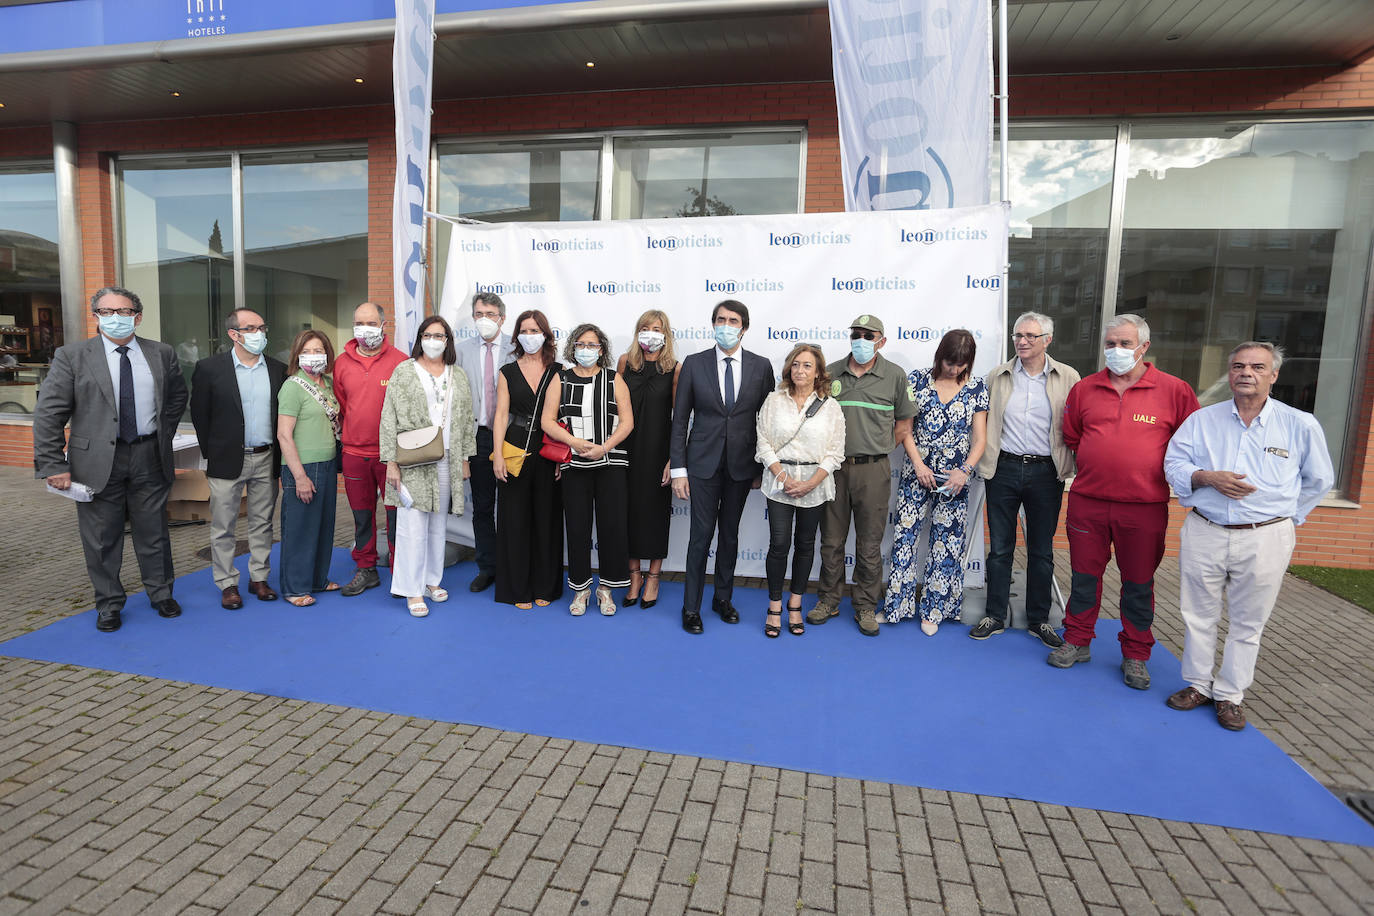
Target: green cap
{"x":868,"y":323}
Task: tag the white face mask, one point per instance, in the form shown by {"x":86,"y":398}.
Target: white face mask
{"x":434,"y":349}
{"x":531,"y":342}
{"x":487,"y":328}
{"x":651,"y":340}
{"x":1121,"y":360}
{"x":313,"y":362}
{"x":368,"y":336}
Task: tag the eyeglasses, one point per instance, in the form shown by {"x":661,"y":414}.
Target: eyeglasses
{"x":110,"y":313}
{"x":856,"y":334}
{"x":434,"y":337}
{"x":1028,"y":338}
{"x":251,"y":329}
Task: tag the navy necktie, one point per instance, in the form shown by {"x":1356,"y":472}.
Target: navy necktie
{"x":128,"y":417}
{"x":729,"y":384}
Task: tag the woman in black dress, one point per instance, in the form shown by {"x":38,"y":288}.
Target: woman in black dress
{"x":650,"y":371}
{"x":529,"y":517}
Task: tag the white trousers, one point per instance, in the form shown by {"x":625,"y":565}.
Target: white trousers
{"x":1245,"y":567}
{"x":419,"y":548}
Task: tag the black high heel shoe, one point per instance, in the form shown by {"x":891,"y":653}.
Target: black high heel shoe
{"x":798,"y":628}
{"x":772,"y":631}
{"x":628,"y":601}
{"x":647,"y":603}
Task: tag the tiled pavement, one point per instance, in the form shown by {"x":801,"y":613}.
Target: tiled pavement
{"x":121,"y":793}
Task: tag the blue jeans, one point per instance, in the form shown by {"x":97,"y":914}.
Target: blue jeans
{"x":307,"y":530}
{"x":1037,"y":487}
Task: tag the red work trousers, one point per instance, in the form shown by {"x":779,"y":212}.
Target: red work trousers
{"x":1135,"y":531}
{"x":363,"y":478}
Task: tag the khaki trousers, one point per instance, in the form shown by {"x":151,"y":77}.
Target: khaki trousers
{"x":861,"y":491}
{"x":225,"y":495}
{"x":1245,"y":567}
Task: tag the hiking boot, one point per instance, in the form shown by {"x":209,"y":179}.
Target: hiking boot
{"x":868,"y":623}
{"x":988,"y":626}
{"x":823,"y":611}
{"x":1068,"y":655}
{"x":1046,"y":634}
{"x":1135,"y":674}
{"x":365,"y":578}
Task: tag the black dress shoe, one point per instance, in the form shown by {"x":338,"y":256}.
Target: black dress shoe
{"x":107,"y":621}
{"x":481,"y":583}
{"x":727,"y":612}
{"x":168,"y":608}
{"x":691,"y":622}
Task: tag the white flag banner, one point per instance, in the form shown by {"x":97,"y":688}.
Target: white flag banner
{"x":913,"y":82}
{"x":804,"y":277}
{"x":412,"y":80}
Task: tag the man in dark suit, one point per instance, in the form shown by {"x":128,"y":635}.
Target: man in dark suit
{"x":123,"y":396}
{"x":719,"y":393}
{"x":234,"y":409}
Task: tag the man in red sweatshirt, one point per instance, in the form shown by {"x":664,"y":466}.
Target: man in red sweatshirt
{"x":1119,"y":422}
{"x":360,"y":376}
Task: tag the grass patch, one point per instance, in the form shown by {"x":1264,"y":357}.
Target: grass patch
{"x":1354,"y":585}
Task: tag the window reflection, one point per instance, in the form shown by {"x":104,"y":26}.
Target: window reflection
{"x":30,"y":283}
{"x":717,"y":175}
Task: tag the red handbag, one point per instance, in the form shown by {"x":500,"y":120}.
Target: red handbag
{"x":555,"y":451}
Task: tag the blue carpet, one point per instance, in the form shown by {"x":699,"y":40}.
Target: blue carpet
{"x":946,"y":712}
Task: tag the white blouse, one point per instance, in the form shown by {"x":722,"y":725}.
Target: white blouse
{"x":786,"y":435}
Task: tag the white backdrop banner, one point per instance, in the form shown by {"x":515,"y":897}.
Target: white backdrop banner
{"x":412,"y":80}
{"x":804,"y":277}
{"x":913,"y":81}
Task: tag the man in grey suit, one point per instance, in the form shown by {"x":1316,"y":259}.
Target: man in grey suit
{"x":123,"y":396}
{"x":482,"y":357}
{"x":719,"y":393}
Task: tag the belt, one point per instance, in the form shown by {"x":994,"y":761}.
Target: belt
{"x":1272,"y":521}
{"x":794,"y":462}
{"x":256,"y":449}
{"x":863,"y":459}
{"x":1026,"y":459}
{"x":137,"y":439}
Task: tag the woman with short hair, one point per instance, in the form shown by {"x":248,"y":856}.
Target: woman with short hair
{"x":427,"y":390}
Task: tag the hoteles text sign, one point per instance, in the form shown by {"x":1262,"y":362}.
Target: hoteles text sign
{"x":804,"y":277}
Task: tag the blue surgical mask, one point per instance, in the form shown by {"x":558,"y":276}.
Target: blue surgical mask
{"x":117,"y":327}
{"x":255,"y":342}
{"x":727,"y":336}
{"x":586,"y":358}
{"x":863,"y":349}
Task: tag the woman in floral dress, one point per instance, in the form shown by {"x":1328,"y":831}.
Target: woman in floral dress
{"x":947,"y":438}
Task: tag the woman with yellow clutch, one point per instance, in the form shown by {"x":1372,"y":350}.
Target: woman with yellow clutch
{"x":529,"y":516}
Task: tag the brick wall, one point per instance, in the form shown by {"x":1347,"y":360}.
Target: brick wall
{"x":1334,"y":536}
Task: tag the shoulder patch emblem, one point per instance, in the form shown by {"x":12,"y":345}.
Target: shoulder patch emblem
{"x":911,"y":393}
{"x":835,"y":388}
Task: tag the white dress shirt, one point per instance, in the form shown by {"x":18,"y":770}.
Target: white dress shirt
{"x":721,"y":356}
{"x":1282,"y":453}
{"x":1026,"y":419}
{"x":145,"y":389}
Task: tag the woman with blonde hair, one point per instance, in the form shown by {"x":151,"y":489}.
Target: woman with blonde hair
{"x":650,"y":369}
{"x":801,"y":446}
{"x":308,"y":425}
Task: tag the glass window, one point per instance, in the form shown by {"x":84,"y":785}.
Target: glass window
{"x":706,"y":175}
{"x":30,"y":285}
{"x":1060,"y":184}
{"x":177,"y":245}
{"x":305,"y":243}
{"x":1253,"y":231}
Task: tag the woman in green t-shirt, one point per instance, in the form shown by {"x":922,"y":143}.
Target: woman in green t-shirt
{"x":308,"y":429}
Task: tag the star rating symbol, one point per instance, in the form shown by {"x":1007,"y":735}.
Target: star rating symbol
{"x":200,"y":19}
{"x":221,"y":19}
{"x":188,"y":20}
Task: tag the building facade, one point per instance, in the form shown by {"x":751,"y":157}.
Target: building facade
{"x":1220,"y":183}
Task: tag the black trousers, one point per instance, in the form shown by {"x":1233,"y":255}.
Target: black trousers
{"x":1037,"y":487}
{"x":717,"y":504}
{"x":790,"y":526}
{"x":596,"y":493}
{"x":483,"y":481}
{"x":136,"y":490}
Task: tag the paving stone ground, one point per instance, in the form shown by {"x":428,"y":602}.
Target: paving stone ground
{"x":127,"y":794}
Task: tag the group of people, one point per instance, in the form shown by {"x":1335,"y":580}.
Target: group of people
{"x":555,"y":444}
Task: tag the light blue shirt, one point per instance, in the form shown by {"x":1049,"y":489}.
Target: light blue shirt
{"x":255,"y":393}
{"x":1027,"y":417}
{"x":145,"y":390}
{"x":1282,"y":453}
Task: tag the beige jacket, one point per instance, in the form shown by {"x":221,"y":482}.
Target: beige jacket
{"x":1000,"y":383}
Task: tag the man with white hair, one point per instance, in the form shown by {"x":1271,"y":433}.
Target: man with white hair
{"x":1118,"y":422}
{"x":1251,"y":469}
{"x":1024,"y":465}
